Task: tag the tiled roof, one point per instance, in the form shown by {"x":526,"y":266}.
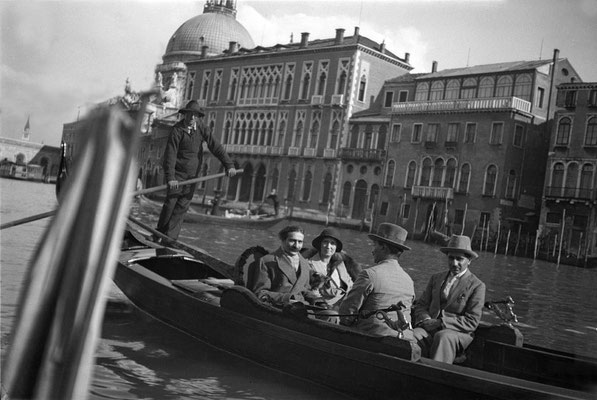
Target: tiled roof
{"x":487,"y":68}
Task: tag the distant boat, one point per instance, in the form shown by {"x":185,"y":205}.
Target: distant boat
{"x":229,"y":219}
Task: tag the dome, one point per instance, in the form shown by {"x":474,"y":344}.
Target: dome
{"x":215,"y":30}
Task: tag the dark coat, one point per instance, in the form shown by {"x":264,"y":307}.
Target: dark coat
{"x":184,"y":151}
{"x":276,"y":278}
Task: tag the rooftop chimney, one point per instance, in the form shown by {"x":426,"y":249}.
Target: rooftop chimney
{"x":204,"y":51}
{"x":339,"y":36}
{"x":356,"y":31}
{"x":434,"y":66}
{"x":231,"y":47}
{"x":406,"y":57}
{"x":304,"y":39}
{"x":382,"y":47}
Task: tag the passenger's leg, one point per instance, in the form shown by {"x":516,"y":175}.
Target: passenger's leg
{"x":447,"y":344}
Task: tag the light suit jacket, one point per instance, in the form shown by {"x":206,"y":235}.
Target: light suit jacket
{"x":277,"y":279}
{"x":378,"y":287}
{"x":463,"y":308}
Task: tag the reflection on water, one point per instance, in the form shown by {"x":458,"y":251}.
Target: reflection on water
{"x":139,"y":358}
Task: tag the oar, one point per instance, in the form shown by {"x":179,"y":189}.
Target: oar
{"x":187,"y":182}
{"x":217,"y":264}
{"x":27,"y":219}
{"x":137,"y":193}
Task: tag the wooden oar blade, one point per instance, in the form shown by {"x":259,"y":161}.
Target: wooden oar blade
{"x":60,"y":311}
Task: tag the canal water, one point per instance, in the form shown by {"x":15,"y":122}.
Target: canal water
{"x":139,"y":358}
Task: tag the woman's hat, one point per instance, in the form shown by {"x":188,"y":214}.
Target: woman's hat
{"x":459,"y":244}
{"x":391,"y":234}
{"x":327,"y":233}
{"x":193,"y":107}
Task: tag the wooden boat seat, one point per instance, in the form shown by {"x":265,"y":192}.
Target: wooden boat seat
{"x":242,"y":300}
{"x":208,"y":290}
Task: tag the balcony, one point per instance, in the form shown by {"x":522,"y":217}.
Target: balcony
{"x":569,"y":193}
{"x":329,"y":153}
{"x":317,"y":100}
{"x":309,"y":152}
{"x":347,"y":154}
{"x":488,"y":104}
{"x":293,"y":151}
{"x":432,"y":193}
{"x":337,"y":99}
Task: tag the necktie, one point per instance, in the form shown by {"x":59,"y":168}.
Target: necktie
{"x":448,"y":285}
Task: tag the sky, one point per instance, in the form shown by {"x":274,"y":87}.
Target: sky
{"x":59,"y":57}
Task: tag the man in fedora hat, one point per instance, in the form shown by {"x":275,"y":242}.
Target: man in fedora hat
{"x":182,"y":161}
{"x":380,"y":286}
{"x":450,"y":308}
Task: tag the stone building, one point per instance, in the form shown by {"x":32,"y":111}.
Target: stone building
{"x":281,"y":111}
{"x":569,"y":212}
{"x":466,"y":147}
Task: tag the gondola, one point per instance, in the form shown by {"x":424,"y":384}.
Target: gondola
{"x":242,"y":221}
{"x":205,"y":302}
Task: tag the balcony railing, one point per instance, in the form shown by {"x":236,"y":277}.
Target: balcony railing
{"x":309,"y":152}
{"x":570,"y":193}
{"x":329,"y":153}
{"x":362,"y":154}
{"x":497,"y":103}
{"x":432,"y":192}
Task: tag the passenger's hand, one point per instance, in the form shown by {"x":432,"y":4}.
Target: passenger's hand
{"x":173,"y":184}
{"x":230,"y":172}
{"x":431,"y":324}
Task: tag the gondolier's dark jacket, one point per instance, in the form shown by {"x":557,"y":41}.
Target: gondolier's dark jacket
{"x":184,"y":152}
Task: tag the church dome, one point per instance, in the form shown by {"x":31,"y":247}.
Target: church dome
{"x":215,"y":28}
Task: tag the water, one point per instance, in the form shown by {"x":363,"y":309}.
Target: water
{"x":139,"y":358}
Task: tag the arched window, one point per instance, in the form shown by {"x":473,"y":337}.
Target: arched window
{"x":586,"y":179}
{"x":571,"y":180}
{"x":452,"y":89}
{"x":362,"y":88}
{"x":281,"y":134}
{"x":522,"y":87}
{"x":426,"y":172}
{"x":490,"y":180}
{"x":511,"y":184}
{"x":450,"y":173}
{"x":321,"y":83}
{"x":389,"y":182}
{"x":368,"y":137}
{"x":314,"y":134}
{"x":346,"y":189}
{"x":422,"y":92}
{"x":486,"y":87}
{"x":503,"y":87}
{"x":327,"y":188}
{"x":438,"y":173}
{"x":298,"y":139}
{"x":227,"y":131}
{"x":382,"y":137}
{"x":469,"y":88}
{"x":410,"y":174}
{"x":341,"y":83}
{"x":563,"y":135}
{"x":437,"y":91}
{"x":287,"y":87}
{"x":307,"y":185}
{"x":373,"y":195}
{"x":305,"y":87}
{"x":591,"y":134}
{"x":334,"y":135}
{"x":291,"y":183}
{"x":354,"y":137}
{"x":557,"y":180}
{"x":465,"y":174}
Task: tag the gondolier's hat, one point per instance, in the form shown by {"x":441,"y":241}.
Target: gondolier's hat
{"x":327,"y":233}
{"x":459,"y":244}
{"x":193,"y":107}
{"x":391,"y":234}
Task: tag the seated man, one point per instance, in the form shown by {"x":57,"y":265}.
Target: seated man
{"x":283,"y":275}
{"x":451,"y":306}
{"x":380,"y":286}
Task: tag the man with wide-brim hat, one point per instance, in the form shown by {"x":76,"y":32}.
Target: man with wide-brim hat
{"x":183,"y":158}
{"x":383,"y":285}
{"x":450,"y":309}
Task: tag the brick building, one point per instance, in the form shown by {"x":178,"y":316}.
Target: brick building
{"x":569,"y":212}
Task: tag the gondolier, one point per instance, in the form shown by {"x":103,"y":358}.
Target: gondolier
{"x":182,"y":161}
